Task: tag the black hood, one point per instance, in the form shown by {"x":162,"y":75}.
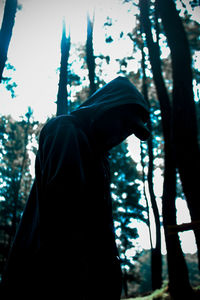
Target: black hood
{"x":109,"y":105}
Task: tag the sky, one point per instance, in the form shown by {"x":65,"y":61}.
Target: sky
{"x":35,"y":49}
{"x":34,"y":52}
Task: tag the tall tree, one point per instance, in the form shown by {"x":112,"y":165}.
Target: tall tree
{"x":6,"y":31}
{"x":179,"y":284}
{"x":90,"y":59}
{"x":187,"y":151}
{"x":62,"y":96}
{"x":156,"y":256}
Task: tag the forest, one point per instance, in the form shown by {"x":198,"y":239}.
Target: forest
{"x":160,"y":55}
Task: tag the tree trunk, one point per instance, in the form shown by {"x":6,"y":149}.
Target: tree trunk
{"x":125,"y":283}
{"x":184,"y":114}
{"x":156,"y":256}
{"x":62,"y":97}
{"x":6,"y":31}
{"x":90,"y":55}
{"x":177,"y":269}
{"x":179,"y":285}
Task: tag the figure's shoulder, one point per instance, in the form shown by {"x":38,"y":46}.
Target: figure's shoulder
{"x":65,"y":126}
{"x":56,"y":124}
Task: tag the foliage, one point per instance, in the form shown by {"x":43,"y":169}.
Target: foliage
{"x":10,"y":85}
{"x":126,"y":201}
{"x":15,"y":177}
{"x":143,"y":268}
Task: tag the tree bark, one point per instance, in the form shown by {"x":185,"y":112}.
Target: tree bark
{"x":177,"y":269}
{"x":156,"y":256}
{"x":90,"y":55}
{"x":62,"y":96}
{"x":187,"y":152}
{"x":6,"y":32}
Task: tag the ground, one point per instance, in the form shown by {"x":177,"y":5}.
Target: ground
{"x":163,"y":294}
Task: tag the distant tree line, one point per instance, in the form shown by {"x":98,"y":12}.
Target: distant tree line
{"x":16,"y":140}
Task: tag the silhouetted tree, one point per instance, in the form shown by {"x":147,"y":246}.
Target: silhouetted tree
{"x":187,"y":152}
{"x":178,"y":274}
{"x":90,"y":59}
{"x":6,"y":31}
{"x":156,"y":256}
{"x":62,"y":96}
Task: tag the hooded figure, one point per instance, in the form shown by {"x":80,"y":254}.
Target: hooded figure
{"x":65,"y":244}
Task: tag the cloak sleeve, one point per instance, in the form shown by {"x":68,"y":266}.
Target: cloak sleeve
{"x":60,"y":151}
{"x":63,"y":153}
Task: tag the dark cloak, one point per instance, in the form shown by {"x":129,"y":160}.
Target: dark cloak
{"x":65,"y":244}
